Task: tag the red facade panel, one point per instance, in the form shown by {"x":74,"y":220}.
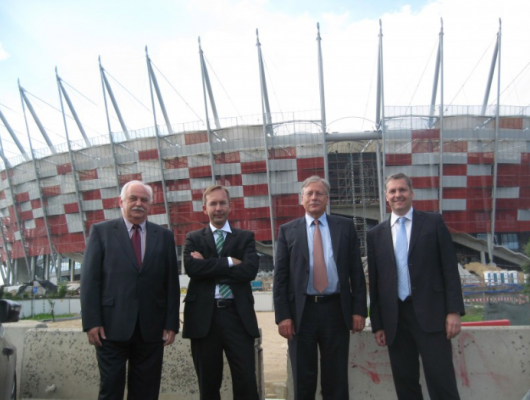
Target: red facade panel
{"x":252,"y":167}
{"x":175,"y":163}
{"x":303,"y":174}
{"x":282,"y":153}
{"x":480,"y":158}
{"x":286,"y":200}
{"x":484,"y":203}
{"x":312,"y":163}
{"x":35,"y":204}
{"x":256,"y":190}
{"x":145,"y":155}
{"x":196,"y":194}
{"x":64,"y":169}
{"x":455,"y":169}
{"x":110,"y":203}
{"x":510,"y":123}
{"x":398,"y":159}
{"x":50,"y":191}
{"x":425,"y":134}
{"x":130,"y":177}
{"x":227,"y":158}
{"x":455,"y":146}
{"x":22,"y":197}
{"x":200,"y":172}
{"x":88,"y":174}
{"x":178,"y":184}
{"x":425,"y":182}
{"x":71,"y":208}
{"x":480,"y":181}
{"x":25,"y":215}
{"x":195,"y":138}
{"x":230,"y":180}
{"x":92,"y":195}
{"x":425,"y":146}
{"x":95,"y":216}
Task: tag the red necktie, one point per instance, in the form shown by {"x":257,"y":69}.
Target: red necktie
{"x":320,"y":273}
{"x":137,"y":243}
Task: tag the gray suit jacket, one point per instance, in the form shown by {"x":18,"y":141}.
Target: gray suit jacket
{"x":291,"y":273}
{"x":116,"y":293}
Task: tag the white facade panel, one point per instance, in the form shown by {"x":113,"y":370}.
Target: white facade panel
{"x":426,"y":194}
{"x":200,"y":183}
{"x":198,"y":160}
{"x":38,"y":213}
{"x":282,"y":165}
{"x":160,"y":219}
{"x":109,"y":193}
{"x":523,"y":215}
{"x":454,"y":204}
{"x":454,"y":181}
{"x":393,"y":146}
{"x":25,"y":206}
{"x":227,"y":169}
{"x":252,"y":155}
{"x":284,"y":188}
{"x":479,"y":169}
{"x":425,"y":158}
{"x":178,"y":196}
{"x":508,"y":192}
{"x":92,"y":205}
{"x":308,"y":151}
{"x":254,"y":179}
{"x":413,"y":171}
{"x":113,"y":213}
{"x":256,"y":201}
{"x":30,"y":224}
{"x":56,"y":209}
{"x":454,"y":158}
{"x":197,"y":205}
{"x":62,"y":199}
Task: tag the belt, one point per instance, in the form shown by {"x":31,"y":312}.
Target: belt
{"x":223,"y":303}
{"x":322,"y":299}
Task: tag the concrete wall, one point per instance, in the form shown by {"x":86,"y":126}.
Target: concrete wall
{"x":490,"y":363}
{"x":60,"y":364}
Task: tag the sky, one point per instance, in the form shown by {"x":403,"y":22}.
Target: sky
{"x":37,"y":36}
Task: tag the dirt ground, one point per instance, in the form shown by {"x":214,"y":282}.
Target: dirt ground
{"x":274,"y":348}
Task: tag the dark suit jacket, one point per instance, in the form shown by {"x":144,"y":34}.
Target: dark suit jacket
{"x":116,"y":293}
{"x":291,"y":273}
{"x":214,"y":269}
{"x":435,"y":281}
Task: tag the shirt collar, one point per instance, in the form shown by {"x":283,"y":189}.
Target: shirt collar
{"x":225,"y":228}
{"x":309,"y":219}
{"x":129,"y":224}
{"x":394,"y":217}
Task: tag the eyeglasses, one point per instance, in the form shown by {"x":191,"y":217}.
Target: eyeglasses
{"x":317,"y":194}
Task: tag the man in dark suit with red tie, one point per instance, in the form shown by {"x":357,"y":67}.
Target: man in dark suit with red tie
{"x":221,"y":261}
{"x":415,"y":293}
{"x":130,"y":297}
{"x":319,"y":294}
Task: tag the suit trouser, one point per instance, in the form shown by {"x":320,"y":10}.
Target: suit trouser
{"x":144,"y":370}
{"x":226,"y":333}
{"x":436,"y":355}
{"x":322,"y":327}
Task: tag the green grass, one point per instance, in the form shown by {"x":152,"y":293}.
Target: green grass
{"x":473,"y":314}
{"x":40,"y":317}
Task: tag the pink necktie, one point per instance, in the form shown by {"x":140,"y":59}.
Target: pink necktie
{"x":320,"y":273}
{"x":137,"y":244}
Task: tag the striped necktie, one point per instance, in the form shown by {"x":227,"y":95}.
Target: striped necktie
{"x":224,"y":289}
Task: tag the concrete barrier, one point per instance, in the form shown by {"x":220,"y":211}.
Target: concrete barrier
{"x":490,"y":363}
{"x":60,"y":364}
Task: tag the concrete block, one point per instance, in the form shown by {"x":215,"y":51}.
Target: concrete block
{"x":490,"y":363}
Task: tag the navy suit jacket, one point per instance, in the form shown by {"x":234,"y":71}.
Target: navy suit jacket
{"x":291,"y":273}
{"x":435,"y":281}
{"x":116,"y":293}
{"x":206,"y":273}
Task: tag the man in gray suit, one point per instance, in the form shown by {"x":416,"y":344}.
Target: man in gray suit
{"x":130,"y":297}
{"x":415,"y":294}
{"x":319,"y":293}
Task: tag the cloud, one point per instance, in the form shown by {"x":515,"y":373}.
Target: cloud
{"x":3,"y":53}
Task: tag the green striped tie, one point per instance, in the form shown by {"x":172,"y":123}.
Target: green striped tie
{"x":224,"y":289}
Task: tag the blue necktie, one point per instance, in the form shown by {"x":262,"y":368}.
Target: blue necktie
{"x":224,"y":289}
{"x":401,"y":251}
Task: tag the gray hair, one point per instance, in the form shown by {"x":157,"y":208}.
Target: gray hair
{"x":126,"y":186}
{"x":315,"y":179}
{"x":399,"y":175}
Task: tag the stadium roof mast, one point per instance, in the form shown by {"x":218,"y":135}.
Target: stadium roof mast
{"x":153,"y":82}
{"x":379,"y":120}
{"x":111,"y":138}
{"x":268,"y":135}
{"x":322,"y":107}
{"x":206,"y":86}
{"x":439,"y":72}
{"x":106,"y":85}
{"x":62,"y":93}
{"x":24,"y":99}
{"x":35,"y":118}
{"x":497,"y":57}
{"x":14,"y":137}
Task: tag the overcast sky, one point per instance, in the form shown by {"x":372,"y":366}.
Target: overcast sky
{"x":36,"y":36}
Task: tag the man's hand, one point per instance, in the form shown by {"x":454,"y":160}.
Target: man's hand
{"x":95,"y":335}
{"x":168,"y":337}
{"x":286,"y":328}
{"x":197,"y":255}
{"x":452,"y":325}
{"x":380,"y":337}
{"x":358,"y":322}
{"x":235,"y":261}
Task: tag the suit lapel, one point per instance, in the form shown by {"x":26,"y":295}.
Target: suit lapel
{"x":387,"y":242}
{"x":417,"y":222}
{"x":207,"y":234}
{"x":335,"y":233}
{"x":301,"y":235}
{"x":120,"y":231}
{"x":152,"y":237}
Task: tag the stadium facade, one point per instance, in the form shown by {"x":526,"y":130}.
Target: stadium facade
{"x":472,"y":164}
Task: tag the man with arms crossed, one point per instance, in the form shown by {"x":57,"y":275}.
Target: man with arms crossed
{"x":415,"y":294}
{"x":319,"y":294}
{"x":130,"y":297}
{"x":219,"y":307}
